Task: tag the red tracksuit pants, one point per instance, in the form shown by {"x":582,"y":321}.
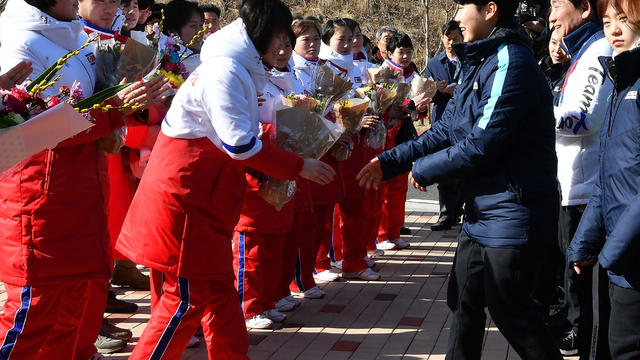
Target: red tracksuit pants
{"x":310,"y":229}
{"x":257,"y":261}
{"x":52,"y":322}
{"x":392,"y":215}
{"x":183,"y":305}
{"x":357,"y":223}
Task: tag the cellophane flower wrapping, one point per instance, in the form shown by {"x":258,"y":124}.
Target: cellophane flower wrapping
{"x":349,"y":113}
{"x":107,"y":57}
{"x":136,"y":60}
{"x":329,"y":87}
{"x":422,"y":85}
{"x":303,"y":131}
{"x":381,"y":97}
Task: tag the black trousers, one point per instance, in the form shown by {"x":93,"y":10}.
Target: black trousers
{"x":451,"y":202}
{"x":624,"y":327}
{"x":502,"y":279}
{"x":579,"y":293}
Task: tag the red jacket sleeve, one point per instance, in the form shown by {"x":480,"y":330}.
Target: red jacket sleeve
{"x":275,"y":162}
{"x":105,"y":123}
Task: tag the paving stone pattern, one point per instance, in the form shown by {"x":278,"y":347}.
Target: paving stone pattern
{"x":404,"y":316}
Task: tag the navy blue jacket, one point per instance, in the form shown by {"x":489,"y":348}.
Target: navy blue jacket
{"x":498,"y":137}
{"x":613,"y":212}
{"x":440,"y":68}
{"x":555,"y":74}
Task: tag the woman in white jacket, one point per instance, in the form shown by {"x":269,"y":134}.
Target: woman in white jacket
{"x":337,"y":41}
{"x":181,"y":220}
{"x":53,"y":234}
{"x":305,"y":55}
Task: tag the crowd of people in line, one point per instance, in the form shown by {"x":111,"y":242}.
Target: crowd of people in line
{"x":534,"y":142}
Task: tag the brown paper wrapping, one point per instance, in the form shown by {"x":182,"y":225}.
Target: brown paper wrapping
{"x":349,"y":113}
{"x":329,"y":85}
{"x":136,"y":59}
{"x":402,"y":92}
{"x":309,"y":103}
{"x":380,"y":74}
{"x":305,"y":133}
{"x":420,"y":85}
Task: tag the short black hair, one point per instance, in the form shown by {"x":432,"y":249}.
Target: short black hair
{"x":177,"y":14}
{"x":145,"y":4}
{"x":330,"y":29}
{"x":506,"y":8}
{"x":42,"y":5}
{"x":399,"y":40}
{"x":352,"y":24}
{"x":594,"y":5}
{"x":450,"y":27}
{"x":211,"y":8}
{"x":156,"y":14}
{"x":263,"y":18}
{"x":366,"y":41}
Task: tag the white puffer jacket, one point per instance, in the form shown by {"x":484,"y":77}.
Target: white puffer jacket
{"x":305,"y":71}
{"x":219,"y":100}
{"x":342,"y":64}
{"x":27,"y":33}
{"x":281,"y":83}
{"x":579,"y":116}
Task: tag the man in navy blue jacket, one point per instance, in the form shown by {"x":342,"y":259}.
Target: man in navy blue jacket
{"x":444,"y":68}
{"x":497,"y":136}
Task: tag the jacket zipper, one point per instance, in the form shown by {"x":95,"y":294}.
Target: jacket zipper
{"x":614,"y":105}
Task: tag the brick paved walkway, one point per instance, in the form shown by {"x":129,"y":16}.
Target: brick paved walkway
{"x":405,"y":316}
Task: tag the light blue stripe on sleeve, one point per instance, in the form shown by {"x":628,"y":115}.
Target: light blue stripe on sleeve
{"x":498,"y":84}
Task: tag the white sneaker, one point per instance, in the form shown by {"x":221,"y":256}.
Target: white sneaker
{"x":285,"y":305}
{"x":293,"y":300}
{"x":370,"y":262}
{"x":326,"y":275}
{"x":259,"y":322}
{"x":275,"y":315}
{"x":386,"y":245}
{"x":314,"y":293}
{"x":401,"y":244}
{"x":193,"y":342}
{"x":375,"y":253}
{"x":366,"y":274}
{"x":337,"y":264}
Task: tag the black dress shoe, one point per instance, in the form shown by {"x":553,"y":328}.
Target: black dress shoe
{"x":115,"y":305}
{"x":405,"y":231}
{"x":441,"y":225}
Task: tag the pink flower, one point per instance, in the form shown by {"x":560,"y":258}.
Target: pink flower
{"x":77,"y":93}
{"x":170,"y":67}
{"x":13,"y":104}
{"x":20,"y":95}
{"x":53,"y":101}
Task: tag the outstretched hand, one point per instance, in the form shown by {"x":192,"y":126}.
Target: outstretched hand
{"x":144,"y":93}
{"x":317,"y":171}
{"x":17,"y":75}
{"x":371,"y":175}
{"x":415,"y":184}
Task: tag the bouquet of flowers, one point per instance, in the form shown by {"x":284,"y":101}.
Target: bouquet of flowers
{"x":349,"y":113}
{"x":329,"y":87}
{"x":381,"y":96}
{"x":301,"y":129}
{"x":30,"y":123}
